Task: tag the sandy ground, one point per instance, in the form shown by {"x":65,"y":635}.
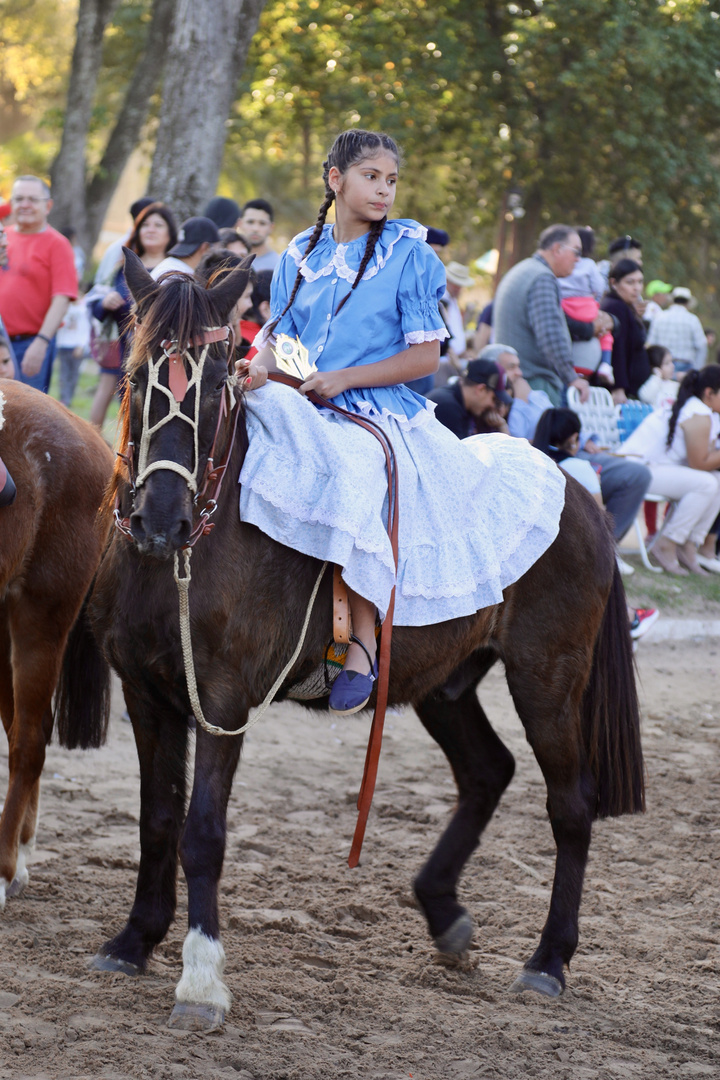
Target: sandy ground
{"x":332,"y":972}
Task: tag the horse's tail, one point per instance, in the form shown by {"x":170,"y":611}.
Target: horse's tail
{"x":611,"y":715}
{"x":82,"y":697}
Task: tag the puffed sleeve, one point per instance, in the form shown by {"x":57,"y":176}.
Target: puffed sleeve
{"x":422,"y":285}
{"x":281,"y":287}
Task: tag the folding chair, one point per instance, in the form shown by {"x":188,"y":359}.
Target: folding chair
{"x":611,"y":424}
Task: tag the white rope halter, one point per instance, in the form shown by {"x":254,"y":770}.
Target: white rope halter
{"x":173,"y":357}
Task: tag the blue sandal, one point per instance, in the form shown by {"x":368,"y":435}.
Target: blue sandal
{"x":351,"y":691}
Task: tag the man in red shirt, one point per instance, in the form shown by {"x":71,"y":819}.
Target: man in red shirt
{"x":38,"y":283}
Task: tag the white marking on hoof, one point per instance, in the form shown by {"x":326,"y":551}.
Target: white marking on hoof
{"x":4,"y":884}
{"x":203,"y":965}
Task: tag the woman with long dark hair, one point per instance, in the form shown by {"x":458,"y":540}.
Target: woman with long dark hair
{"x":154,"y":233}
{"x":681,"y":449}
{"x":630,"y":364}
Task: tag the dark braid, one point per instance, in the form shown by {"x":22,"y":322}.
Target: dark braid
{"x":317,"y":233}
{"x":693,"y":385}
{"x":349,"y":148}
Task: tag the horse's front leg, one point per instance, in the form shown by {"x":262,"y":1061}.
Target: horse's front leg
{"x":203,"y":999}
{"x":161,"y":739}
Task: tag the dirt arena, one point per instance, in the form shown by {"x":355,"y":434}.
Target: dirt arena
{"x":332,"y":972}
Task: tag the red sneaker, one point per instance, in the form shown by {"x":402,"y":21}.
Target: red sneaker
{"x":644,"y":619}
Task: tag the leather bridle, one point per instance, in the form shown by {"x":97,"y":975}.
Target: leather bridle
{"x":207,"y":492}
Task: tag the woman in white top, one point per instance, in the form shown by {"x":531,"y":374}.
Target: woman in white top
{"x":681,"y":449}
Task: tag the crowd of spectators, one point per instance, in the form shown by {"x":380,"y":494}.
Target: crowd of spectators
{"x":558,"y":320}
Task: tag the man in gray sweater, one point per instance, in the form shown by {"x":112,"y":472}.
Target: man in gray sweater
{"x":528,"y":316}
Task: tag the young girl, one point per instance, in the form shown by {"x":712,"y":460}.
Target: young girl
{"x":362,"y":295}
{"x":661,"y":389}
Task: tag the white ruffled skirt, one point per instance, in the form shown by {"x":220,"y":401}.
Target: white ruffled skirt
{"x":474,"y":515}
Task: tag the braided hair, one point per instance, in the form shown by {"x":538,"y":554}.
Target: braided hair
{"x":349,"y":148}
{"x":693,"y":385}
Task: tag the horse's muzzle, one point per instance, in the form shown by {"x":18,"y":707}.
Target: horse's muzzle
{"x":160,"y":542}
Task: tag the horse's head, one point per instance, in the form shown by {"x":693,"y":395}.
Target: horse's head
{"x":180,"y":399}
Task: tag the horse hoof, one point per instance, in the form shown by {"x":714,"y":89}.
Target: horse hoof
{"x":457,"y":937}
{"x":188,"y":1017}
{"x":17,"y":885}
{"x":112,"y":963}
{"x":539,"y":981}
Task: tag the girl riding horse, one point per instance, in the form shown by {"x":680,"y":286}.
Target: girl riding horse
{"x":362,"y":296}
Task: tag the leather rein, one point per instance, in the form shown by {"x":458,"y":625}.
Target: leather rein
{"x":209,"y":493}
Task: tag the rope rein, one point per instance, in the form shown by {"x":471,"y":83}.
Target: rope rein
{"x":183,"y":584}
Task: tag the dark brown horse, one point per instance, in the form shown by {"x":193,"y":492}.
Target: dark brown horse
{"x":561,"y":634}
{"x":51,"y":539}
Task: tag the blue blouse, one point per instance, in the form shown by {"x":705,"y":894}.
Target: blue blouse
{"x":395,"y":305}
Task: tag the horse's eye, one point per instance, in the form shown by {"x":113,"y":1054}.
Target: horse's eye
{"x":133,"y":384}
{"x":221,"y":384}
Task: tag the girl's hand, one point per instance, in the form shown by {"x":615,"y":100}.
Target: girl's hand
{"x":619,"y":396}
{"x":250,"y":375}
{"x":327,"y":384}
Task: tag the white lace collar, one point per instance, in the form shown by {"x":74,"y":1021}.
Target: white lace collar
{"x":394,"y":230}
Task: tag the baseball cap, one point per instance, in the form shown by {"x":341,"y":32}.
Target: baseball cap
{"x":657,"y":286}
{"x":194,"y":232}
{"x":488,"y":373}
{"x":223,"y":211}
{"x":437,"y":236}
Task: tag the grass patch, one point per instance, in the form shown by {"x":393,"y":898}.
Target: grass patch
{"x":84,"y":393}
{"x":681,"y":597}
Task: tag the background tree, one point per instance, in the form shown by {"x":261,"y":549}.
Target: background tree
{"x":207,"y":50}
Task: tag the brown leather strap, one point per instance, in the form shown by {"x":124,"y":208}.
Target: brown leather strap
{"x":342,"y":626}
{"x":372,"y":757}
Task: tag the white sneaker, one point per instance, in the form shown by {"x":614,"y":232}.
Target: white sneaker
{"x":624,"y":567}
{"x":709,"y":564}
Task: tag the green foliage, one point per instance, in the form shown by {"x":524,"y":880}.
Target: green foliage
{"x":602,"y":111}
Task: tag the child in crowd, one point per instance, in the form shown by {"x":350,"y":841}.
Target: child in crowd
{"x":580,"y":294}
{"x":362,"y":296}
{"x":661,"y":389}
{"x":7,"y":371}
{"x":7,"y":367}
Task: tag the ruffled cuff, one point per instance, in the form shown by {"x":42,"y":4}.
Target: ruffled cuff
{"x":416,"y":337}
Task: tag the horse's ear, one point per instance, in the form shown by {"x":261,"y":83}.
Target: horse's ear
{"x":225,"y":295}
{"x":138,"y":280}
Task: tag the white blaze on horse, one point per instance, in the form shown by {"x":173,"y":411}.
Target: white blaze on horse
{"x":561,"y":634}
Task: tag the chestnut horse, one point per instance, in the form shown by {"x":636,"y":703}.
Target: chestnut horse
{"x":51,"y":539}
{"x":561,"y":633}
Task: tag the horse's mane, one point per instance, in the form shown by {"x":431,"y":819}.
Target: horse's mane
{"x":178,"y":308}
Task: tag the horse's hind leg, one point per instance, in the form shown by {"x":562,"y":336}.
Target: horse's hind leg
{"x":549,"y":708}
{"x":202,"y":997}
{"x":483,"y":767}
{"x":26,"y":688}
{"x":161,"y":739}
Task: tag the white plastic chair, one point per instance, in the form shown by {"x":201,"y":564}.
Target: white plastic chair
{"x":599,"y":416}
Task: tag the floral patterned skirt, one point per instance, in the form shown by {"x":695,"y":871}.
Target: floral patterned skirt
{"x":474,"y":514}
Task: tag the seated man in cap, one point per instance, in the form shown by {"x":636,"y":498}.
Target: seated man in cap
{"x":196,"y":237}
{"x":462,"y":402}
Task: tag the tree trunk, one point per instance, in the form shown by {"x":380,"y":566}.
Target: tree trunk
{"x":128,"y":127}
{"x":205,"y":58}
{"x":68,"y":171}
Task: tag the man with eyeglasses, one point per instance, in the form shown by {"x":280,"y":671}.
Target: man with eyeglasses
{"x":527,"y":314}
{"x":38,"y":282}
